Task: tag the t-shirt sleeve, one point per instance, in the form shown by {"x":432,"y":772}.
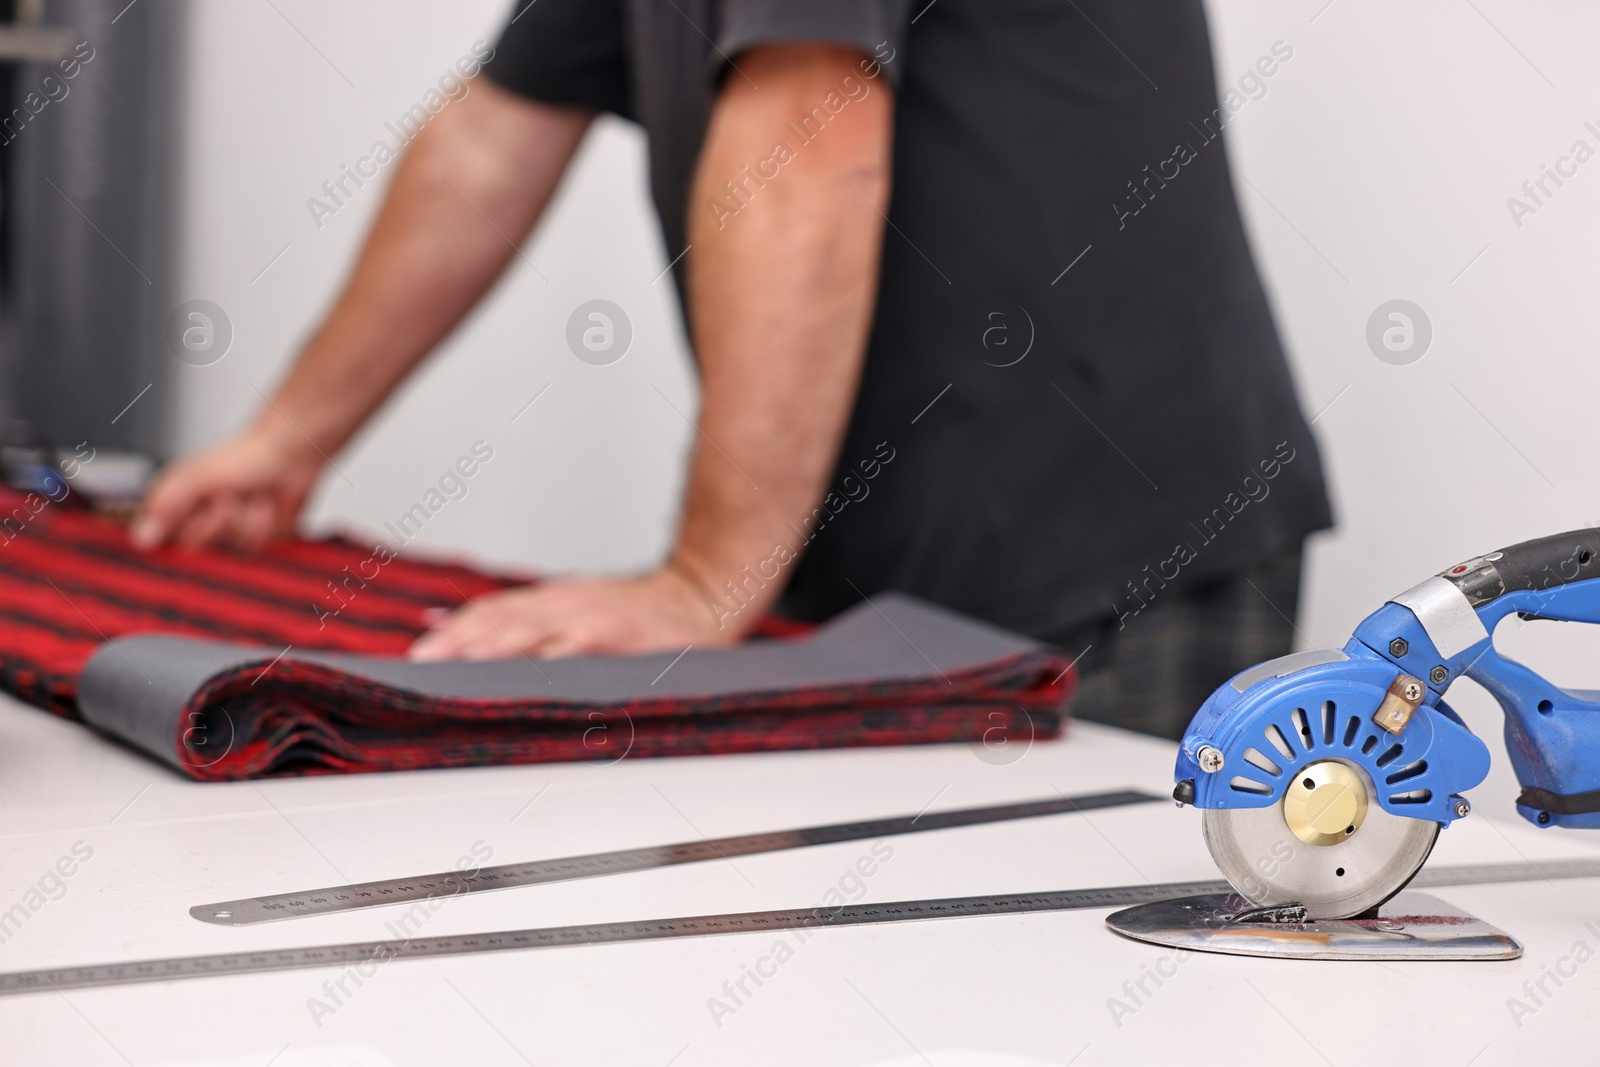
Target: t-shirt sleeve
{"x":876,"y":27}
{"x":569,"y":52}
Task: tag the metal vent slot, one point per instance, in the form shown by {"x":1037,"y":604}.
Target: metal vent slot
{"x":1241,"y":784}
{"x":1369,"y":744}
{"x":1416,"y":796}
{"x":1279,"y":742}
{"x":1302,"y":726}
{"x":1390,"y":754}
{"x":1408,"y":772}
{"x":1329,"y":713}
{"x":1352,"y":728}
{"x":1256,"y":758}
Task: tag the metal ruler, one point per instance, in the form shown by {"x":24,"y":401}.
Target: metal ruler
{"x":372,"y":953}
{"x":1489,"y":873}
{"x":540,"y":872}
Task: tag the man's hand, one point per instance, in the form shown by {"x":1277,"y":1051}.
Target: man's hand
{"x":659,"y":612}
{"x":237,"y":495}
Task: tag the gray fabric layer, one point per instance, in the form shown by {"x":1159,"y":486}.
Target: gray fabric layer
{"x":137,"y":688}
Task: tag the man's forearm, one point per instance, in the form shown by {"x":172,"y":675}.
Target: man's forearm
{"x":780,"y":297}
{"x":472,"y":184}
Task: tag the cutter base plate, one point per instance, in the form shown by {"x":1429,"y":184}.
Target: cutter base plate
{"x":1412,"y":926}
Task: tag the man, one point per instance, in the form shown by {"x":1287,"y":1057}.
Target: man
{"x":972,"y":308}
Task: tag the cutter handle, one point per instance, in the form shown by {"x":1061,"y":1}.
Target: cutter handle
{"x":1541,"y":577}
{"x":1440,"y":628}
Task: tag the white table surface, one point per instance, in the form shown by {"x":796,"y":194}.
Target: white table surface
{"x":1007,"y":991}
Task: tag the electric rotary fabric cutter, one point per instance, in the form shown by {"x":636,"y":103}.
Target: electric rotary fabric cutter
{"x":1324,"y":777}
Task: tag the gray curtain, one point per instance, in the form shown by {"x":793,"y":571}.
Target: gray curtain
{"x":89,"y":227}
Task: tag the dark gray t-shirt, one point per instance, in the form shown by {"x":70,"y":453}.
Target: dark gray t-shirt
{"x":1072,"y":369}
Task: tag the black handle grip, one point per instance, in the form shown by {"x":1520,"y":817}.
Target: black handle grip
{"x":1544,"y":563}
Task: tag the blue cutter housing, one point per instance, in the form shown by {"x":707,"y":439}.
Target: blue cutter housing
{"x":1272,"y":720}
{"x":1322,"y":708}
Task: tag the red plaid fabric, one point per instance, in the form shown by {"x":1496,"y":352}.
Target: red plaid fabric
{"x":69,"y":581}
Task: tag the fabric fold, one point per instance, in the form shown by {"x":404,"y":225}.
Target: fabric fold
{"x":892,"y":671}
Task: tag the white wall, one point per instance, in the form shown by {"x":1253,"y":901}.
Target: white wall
{"x":585,"y":479}
{"x":1391,"y":142}
{"x":1381,"y":158}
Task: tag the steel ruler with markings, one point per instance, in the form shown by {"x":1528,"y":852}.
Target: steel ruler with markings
{"x":376,"y":952}
{"x":541,"y":872}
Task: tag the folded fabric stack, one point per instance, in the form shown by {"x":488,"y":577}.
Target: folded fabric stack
{"x":290,"y":662}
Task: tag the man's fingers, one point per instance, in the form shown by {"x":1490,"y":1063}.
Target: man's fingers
{"x":193,"y":520}
{"x":485,"y":629}
{"x":464,"y":631}
{"x":285,"y":513}
{"x":575,"y":617}
{"x":569,"y":643}
{"x":252,"y":483}
{"x":441,"y":643}
{"x":147,"y":531}
{"x":206,"y":523}
{"x":253,"y":522}
{"x":168,"y":504}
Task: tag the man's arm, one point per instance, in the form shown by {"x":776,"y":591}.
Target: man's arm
{"x":475,"y":180}
{"x":780,"y":297}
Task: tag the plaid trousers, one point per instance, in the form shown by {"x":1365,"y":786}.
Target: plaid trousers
{"x":1152,"y":674}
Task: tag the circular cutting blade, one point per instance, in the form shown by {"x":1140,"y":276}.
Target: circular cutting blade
{"x":1266,"y":862}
